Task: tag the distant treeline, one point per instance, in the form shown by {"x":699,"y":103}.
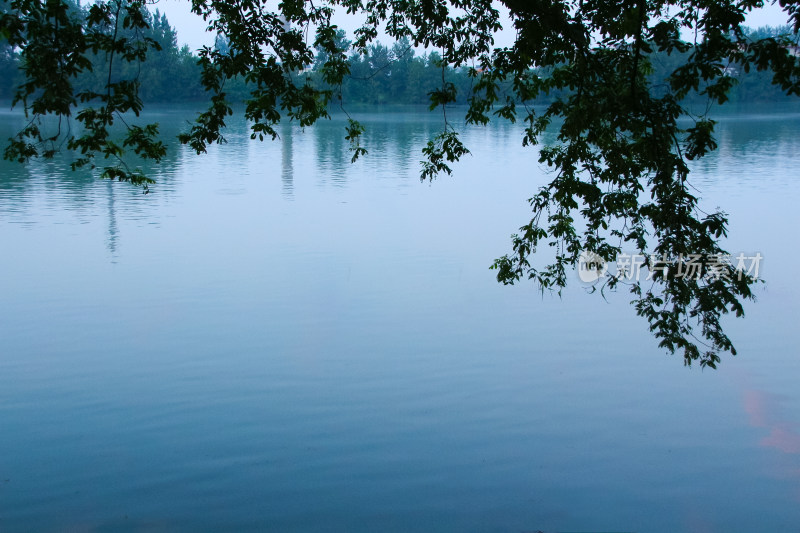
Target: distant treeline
{"x":384,"y":75}
{"x":387,"y":75}
{"x":168,"y":75}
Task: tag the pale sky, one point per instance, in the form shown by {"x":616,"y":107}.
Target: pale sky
{"x":191,"y":28}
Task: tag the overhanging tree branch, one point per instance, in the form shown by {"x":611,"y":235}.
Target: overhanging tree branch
{"x":621,"y":157}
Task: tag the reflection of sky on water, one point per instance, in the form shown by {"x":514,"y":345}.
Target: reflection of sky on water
{"x":752,"y":147}
{"x":338,"y":328}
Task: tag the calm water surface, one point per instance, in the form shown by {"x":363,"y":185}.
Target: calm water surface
{"x":275,"y":339}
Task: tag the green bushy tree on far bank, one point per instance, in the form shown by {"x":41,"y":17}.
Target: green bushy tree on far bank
{"x":621,"y":174}
{"x":87,"y":64}
{"x":383,"y":75}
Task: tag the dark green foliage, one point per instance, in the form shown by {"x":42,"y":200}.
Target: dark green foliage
{"x":616,"y":80}
{"x":58,"y":42}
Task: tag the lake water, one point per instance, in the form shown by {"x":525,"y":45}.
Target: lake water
{"x":277,"y":340}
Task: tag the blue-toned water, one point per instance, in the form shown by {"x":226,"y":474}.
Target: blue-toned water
{"x":277,"y":340}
